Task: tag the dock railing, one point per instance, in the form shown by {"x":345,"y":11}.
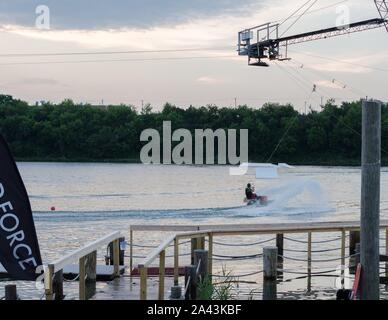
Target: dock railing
{"x":86,"y":258}
{"x":240,"y":230}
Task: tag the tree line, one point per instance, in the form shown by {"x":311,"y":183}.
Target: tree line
{"x":82,"y":132}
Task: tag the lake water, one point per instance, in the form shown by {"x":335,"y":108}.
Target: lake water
{"x":92,"y":200}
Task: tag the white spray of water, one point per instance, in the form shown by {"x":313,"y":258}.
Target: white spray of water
{"x":297,"y":196}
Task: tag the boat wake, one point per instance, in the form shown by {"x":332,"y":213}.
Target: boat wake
{"x":301,"y":197}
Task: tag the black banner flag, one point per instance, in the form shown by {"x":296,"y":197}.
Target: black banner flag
{"x":19,"y":248}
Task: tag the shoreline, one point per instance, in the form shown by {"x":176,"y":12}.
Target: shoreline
{"x":324,"y":163}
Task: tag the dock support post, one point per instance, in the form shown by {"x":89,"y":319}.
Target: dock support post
{"x":343,"y":258}
{"x":87,"y":276}
{"x":194,"y":246}
{"x":201,"y":265}
{"x":343,"y":248}
{"x":143,"y":283}
{"x":176,"y":293}
{"x":11,"y":292}
{"x":370,"y":199}
{"x":210,"y":255}
{"x":191,"y":275}
{"x":280,"y":246}
{"x":130,"y":252}
{"x":81,"y":280}
{"x":201,"y":257}
{"x":162,"y":265}
{"x":201,"y":244}
{"x":176,"y":261}
{"x":386,"y":252}
{"x":48,"y":282}
{"x":270,"y":257}
{"x":309,"y":260}
{"x":58,"y":285}
{"x":354,"y":238}
{"x":116,"y":258}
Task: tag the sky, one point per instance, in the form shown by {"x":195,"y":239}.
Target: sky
{"x":211,"y":74}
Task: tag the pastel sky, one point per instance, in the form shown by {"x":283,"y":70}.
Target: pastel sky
{"x":214,"y":75}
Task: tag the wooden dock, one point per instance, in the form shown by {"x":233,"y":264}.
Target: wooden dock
{"x":70,"y":272}
{"x":150,"y":282}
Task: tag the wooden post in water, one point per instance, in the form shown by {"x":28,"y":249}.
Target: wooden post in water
{"x":210,"y":255}
{"x":343,"y":258}
{"x":270,"y":257}
{"x":201,"y":258}
{"x":81,"y":280}
{"x":191,"y":275}
{"x":354,"y":238}
{"x":176,"y":293}
{"x":11,"y":292}
{"x":130,"y":252}
{"x":121,"y":251}
{"x":370,"y":199}
{"x":280,"y":246}
{"x":187,"y":282}
{"x":309,"y":260}
{"x":162,"y":268}
{"x":386,"y":252}
{"x":193,"y":248}
{"x":201,"y":243}
{"x":87,"y":276}
{"x":116,"y":257}
{"x":143,"y":283}
{"x":48,"y":282}
{"x":343,"y":247}
{"x":58,"y":285}
{"x":176,"y":261}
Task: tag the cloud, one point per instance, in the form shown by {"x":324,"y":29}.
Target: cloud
{"x":339,"y":67}
{"x":102,"y":14}
{"x":330,"y":84}
{"x":35,"y":82}
{"x":209,"y":80}
{"x":363,"y":63}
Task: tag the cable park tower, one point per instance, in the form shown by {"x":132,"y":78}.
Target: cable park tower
{"x":263,"y":43}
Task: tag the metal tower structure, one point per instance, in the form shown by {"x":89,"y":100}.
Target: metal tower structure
{"x":382,"y":7}
{"x":263,"y":42}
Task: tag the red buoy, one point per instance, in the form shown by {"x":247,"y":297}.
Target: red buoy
{"x":52,"y":208}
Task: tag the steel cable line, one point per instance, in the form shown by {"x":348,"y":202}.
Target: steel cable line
{"x":298,"y":82}
{"x":301,"y":65}
{"x":237,"y":276}
{"x":349,"y":127}
{"x":339,"y":60}
{"x":114,"y":60}
{"x":311,"y":83}
{"x":17,"y":55}
{"x":291,"y":122}
{"x":297,"y":19}
{"x":318,"y":9}
{"x":340,"y":120}
{"x":289,"y":17}
{"x":242,"y":244}
{"x":282,"y":21}
{"x":294,"y":13}
{"x":318,"y":89}
{"x":42,"y":54}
